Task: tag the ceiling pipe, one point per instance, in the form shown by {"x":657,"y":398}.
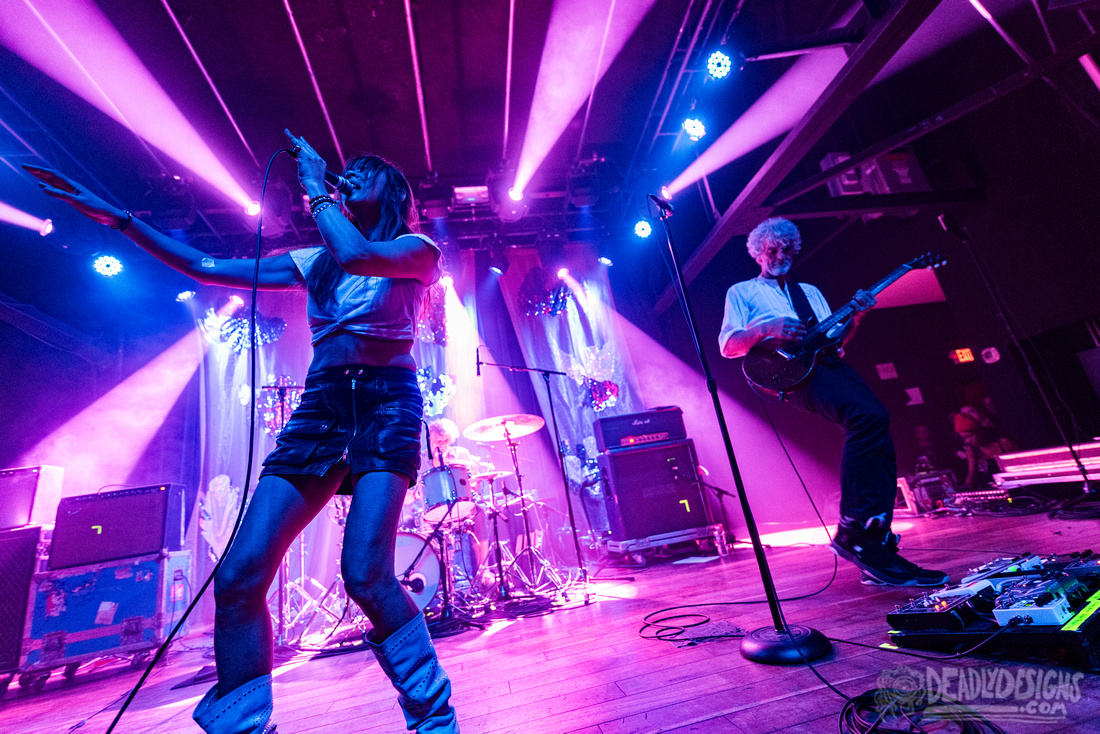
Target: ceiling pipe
{"x":313,"y":79}
{"x":419,"y":85}
{"x":209,"y":81}
{"x":508,"y":76}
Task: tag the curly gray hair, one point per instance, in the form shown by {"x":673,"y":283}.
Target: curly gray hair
{"x":774,"y":231}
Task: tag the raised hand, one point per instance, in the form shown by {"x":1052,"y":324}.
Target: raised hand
{"x":77,"y":195}
{"x":311,"y":166}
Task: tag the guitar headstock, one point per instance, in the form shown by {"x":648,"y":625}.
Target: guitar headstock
{"x":927,"y":260}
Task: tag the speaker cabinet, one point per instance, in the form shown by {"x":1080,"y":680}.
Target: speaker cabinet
{"x":94,"y":528}
{"x":17,"y":565}
{"x":653,"y":491}
{"x":29,"y":495}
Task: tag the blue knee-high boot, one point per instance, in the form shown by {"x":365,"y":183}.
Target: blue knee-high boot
{"x":247,"y":710}
{"x":408,"y":658}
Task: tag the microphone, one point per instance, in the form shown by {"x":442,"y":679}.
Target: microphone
{"x":415,"y":583}
{"x":663,"y":204}
{"x":334,"y":180}
{"x":477,"y":353}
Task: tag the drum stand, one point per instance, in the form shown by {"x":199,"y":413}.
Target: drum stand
{"x":451,"y":620}
{"x":541,"y":575}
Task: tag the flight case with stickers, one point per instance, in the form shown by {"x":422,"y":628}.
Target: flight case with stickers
{"x":121,"y":607}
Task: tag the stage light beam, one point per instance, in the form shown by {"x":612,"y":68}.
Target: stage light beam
{"x":74,"y":43}
{"x":11,"y":215}
{"x":571,"y":59}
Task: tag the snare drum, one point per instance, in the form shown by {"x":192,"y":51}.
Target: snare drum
{"x":419,"y":576}
{"x":444,"y":486}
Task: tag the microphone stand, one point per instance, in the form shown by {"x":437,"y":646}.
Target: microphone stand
{"x":778,"y":644}
{"x":561,"y":460}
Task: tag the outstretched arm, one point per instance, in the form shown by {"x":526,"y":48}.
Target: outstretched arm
{"x":275,"y":272}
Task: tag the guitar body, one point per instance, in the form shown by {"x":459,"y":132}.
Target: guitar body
{"x":774,"y":368}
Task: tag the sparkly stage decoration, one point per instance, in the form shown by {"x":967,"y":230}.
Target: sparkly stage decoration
{"x":234,"y":330}
{"x":539,"y":296}
{"x":601,"y":394}
{"x":593,"y":371}
{"x":275,"y":403}
{"x":432,"y":324}
{"x":437,"y":390}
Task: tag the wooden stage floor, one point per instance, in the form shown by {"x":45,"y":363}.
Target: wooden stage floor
{"x":587,"y":670}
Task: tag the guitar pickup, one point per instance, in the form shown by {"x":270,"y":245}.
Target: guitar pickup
{"x":785,"y":354}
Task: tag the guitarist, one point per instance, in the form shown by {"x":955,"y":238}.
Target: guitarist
{"x":771,"y":306}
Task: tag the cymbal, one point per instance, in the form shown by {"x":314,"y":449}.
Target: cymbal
{"x":503,"y":426}
{"x":491,"y":476}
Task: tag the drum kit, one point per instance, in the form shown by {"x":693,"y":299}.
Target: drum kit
{"x":455,"y":505}
{"x":442,"y":546}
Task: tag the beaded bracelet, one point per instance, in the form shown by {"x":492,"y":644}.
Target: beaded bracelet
{"x":122,"y":224}
{"x":314,"y":201}
{"x":322,"y":206}
{"x":318,"y":201}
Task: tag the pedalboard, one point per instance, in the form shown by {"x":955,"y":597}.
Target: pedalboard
{"x":1027,"y":607}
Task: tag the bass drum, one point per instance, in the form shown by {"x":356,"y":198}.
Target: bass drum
{"x":416,"y":563}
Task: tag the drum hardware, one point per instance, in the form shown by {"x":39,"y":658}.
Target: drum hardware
{"x":540,"y":574}
{"x":561,"y":458}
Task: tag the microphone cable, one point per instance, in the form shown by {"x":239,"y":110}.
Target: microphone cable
{"x":252,"y":342}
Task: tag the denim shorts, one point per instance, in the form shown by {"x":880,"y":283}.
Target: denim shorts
{"x":367,"y":418}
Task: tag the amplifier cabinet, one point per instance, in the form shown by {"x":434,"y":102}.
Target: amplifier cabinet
{"x":621,"y":432}
{"x":18,"y":559}
{"x":29,"y":495}
{"x":94,"y":528}
{"x":653,"y":491}
{"x":115,"y":608}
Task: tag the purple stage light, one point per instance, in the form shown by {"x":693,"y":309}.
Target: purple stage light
{"x":21,"y":218}
{"x":580,"y":45}
{"x":74,"y":43}
{"x":252,"y":209}
{"x":107,"y":265}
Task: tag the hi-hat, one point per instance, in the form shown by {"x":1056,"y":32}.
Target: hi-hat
{"x":503,"y":427}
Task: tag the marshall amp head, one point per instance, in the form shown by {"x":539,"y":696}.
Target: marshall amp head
{"x":635,"y":429}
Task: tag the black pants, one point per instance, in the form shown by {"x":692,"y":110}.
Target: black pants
{"x":868,"y":465}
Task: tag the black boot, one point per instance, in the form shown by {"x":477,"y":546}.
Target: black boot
{"x":874,"y":549}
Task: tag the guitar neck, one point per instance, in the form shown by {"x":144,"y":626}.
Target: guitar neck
{"x":846,"y":311}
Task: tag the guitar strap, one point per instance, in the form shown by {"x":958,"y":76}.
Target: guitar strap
{"x":801,"y":305}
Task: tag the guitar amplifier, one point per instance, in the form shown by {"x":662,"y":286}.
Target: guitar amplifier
{"x":634,"y":429}
{"x":653,"y":492}
{"x":94,"y":528}
{"x":29,"y":495}
{"x":18,"y":562}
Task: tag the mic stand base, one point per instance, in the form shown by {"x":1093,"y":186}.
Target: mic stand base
{"x":793,"y":646}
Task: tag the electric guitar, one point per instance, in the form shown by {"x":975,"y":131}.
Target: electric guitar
{"x":775,"y":367}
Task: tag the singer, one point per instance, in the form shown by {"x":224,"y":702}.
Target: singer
{"x":356,"y":431}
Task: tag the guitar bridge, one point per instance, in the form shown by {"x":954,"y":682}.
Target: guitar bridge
{"x":785,"y":354}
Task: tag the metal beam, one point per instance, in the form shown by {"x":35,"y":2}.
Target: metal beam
{"x":50,"y":331}
{"x":934,"y":122}
{"x":843,"y":206}
{"x":899,"y":23}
